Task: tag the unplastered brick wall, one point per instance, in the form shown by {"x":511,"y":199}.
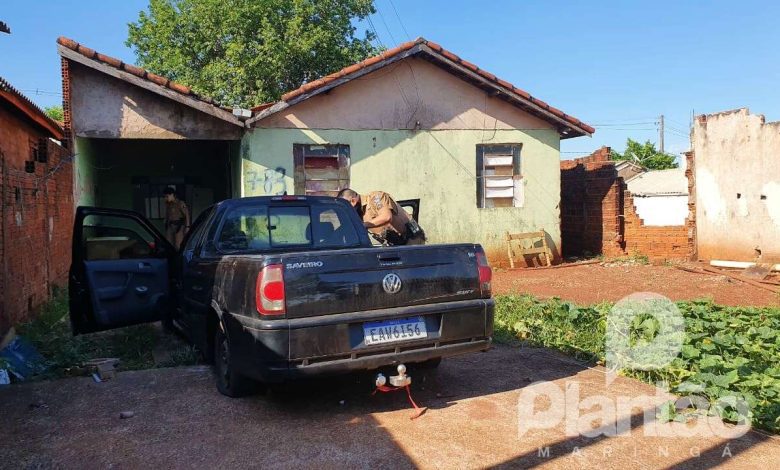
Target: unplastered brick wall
{"x":598,"y":215}
{"x":655,"y":242}
{"x":37,"y":218}
{"x":590,"y":205}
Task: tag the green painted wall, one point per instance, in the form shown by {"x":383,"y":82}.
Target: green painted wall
{"x":437,"y":166}
{"x":85,"y":174}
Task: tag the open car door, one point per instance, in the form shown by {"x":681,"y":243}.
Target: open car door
{"x":412,"y":207}
{"x":119,"y":270}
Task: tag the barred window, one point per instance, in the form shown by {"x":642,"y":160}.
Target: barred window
{"x":321,"y":170}
{"x":499,"y":176}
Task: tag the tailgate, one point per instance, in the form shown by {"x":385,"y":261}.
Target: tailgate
{"x":357,"y":280}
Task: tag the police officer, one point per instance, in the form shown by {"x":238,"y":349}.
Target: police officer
{"x":177,"y":218}
{"x":382,"y":216}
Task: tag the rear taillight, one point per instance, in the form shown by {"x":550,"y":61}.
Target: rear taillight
{"x":269,"y":291}
{"x":485,"y":274}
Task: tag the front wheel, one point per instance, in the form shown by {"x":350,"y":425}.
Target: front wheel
{"x":229,"y":382}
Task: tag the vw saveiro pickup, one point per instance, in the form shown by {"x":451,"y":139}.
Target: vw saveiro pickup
{"x":276,"y":288}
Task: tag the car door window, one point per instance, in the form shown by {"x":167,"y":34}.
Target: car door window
{"x":110,"y":237}
{"x":197,"y":230}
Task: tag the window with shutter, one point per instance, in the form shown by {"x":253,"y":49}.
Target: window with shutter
{"x":321,"y":170}
{"x":499,"y":177}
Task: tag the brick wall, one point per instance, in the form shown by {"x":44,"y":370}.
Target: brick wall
{"x":590,"y":206}
{"x":598,"y":215}
{"x":655,"y":242}
{"x":37,"y":218}
{"x":67,"y":126}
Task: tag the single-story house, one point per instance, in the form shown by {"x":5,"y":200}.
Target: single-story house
{"x":416,"y":121}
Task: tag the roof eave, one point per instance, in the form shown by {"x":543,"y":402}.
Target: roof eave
{"x":20,"y":102}
{"x":566,"y":129}
{"x":282,"y":105}
{"x":202,"y":106}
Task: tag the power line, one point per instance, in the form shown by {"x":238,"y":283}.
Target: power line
{"x":619,"y":120}
{"x":677,"y":122}
{"x":382,"y":17}
{"x":37,"y":91}
{"x":625,"y":124}
{"x":376,"y":33}
{"x":408,"y":36}
{"x":631,"y":128}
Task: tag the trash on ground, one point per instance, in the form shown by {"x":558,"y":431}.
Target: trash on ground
{"x":126,"y":414}
{"x":22,"y":359}
{"x":103,"y":368}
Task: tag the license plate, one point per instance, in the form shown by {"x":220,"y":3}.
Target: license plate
{"x":391,"y":331}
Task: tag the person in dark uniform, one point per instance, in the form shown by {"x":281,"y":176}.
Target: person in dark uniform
{"x":383,"y":217}
{"x":177,"y":218}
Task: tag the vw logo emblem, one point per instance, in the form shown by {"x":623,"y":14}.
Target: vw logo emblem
{"x":391,"y":283}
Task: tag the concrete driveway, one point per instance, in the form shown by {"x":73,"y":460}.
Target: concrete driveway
{"x":180,"y":421}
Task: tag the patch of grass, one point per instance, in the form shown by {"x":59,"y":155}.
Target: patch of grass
{"x":552,"y":323}
{"x":51,"y":334}
{"x":633,"y":258}
{"x":185,"y":355}
{"x":726,"y":352}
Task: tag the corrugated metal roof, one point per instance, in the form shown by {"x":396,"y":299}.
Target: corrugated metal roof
{"x":659,"y":183}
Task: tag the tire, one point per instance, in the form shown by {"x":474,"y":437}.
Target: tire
{"x":429,"y":364}
{"x":229,"y":382}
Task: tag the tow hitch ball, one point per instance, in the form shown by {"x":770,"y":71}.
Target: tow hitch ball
{"x":400,"y":380}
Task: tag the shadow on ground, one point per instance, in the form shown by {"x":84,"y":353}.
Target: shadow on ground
{"x":181,"y":421}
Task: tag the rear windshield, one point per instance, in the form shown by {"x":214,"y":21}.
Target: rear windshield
{"x":262,"y":228}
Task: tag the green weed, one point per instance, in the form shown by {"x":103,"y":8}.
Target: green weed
{"x":51,"y":334}
{"x":727,"y":351}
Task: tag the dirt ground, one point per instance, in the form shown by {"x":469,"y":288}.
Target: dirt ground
{"x":595,"y":283}
{"x":180,"y":421}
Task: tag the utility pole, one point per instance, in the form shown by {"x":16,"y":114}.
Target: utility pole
{"x":661,"y":133}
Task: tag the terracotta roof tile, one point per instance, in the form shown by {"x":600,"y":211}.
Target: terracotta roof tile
{"x":16,"y":99}
{"x":263,"y":106}
{"x":132,"y":69}
{"x":112,"y":61}
{"x":184,"y":90}
{"x":158,"y":79}
{"x":488,"y":75}
{"x":469,"y":65}
{"x":504,"y":84}
{"x":520,"y":92}
{"x":436,"y":48}
{"x":137,"y":71}
{"x":86,"y":51}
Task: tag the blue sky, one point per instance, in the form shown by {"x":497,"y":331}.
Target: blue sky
{"x":616,"y":65}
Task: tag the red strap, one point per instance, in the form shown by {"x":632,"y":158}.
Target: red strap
{"x":418,"y":411}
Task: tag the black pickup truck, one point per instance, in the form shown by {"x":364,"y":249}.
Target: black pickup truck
{"x":274,"y":288}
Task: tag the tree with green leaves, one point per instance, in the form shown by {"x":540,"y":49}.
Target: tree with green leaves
{"x":54,"y":112}
{"x":247,"y":52}
{"x":646,"y":155}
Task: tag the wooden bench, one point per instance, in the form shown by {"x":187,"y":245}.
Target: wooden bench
{"x":524,"y":239}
